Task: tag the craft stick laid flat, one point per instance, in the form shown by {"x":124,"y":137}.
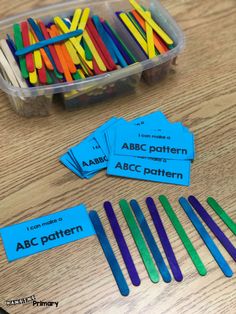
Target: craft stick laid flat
{"x":224,"y":240}
{"x":164,"y":239}
{"x":139,"y":241}
{"x":128,"y":260}
{"x":150,"y":241}
{"x":183,"y":236}
{"x":109,"y":254}
{"x":215,"y":252}
{"x":222,"y":214}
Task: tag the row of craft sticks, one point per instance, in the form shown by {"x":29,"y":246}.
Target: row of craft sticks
{"x":147,"y":245}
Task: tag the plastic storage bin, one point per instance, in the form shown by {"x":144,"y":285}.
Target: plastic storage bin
{"x":37,"y":100}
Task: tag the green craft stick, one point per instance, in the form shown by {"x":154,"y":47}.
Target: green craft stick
{"x":88,"y":53}
{"x":139,"y":241}
{"x":19,"y":46}
{"x":183,"y":236}
{"x":121,"y":42}
{"x":76,"y":76}
{"x":222,"y":214}
{"x":49,"y":78}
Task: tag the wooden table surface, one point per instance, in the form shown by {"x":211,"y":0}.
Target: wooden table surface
{"x":201,"y":93}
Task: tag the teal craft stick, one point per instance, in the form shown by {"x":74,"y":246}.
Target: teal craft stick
{"x":47,"y":42}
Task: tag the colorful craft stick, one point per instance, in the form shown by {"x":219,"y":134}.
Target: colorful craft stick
{"x":88,"y":52}
{"x":219,"y":258}
{"x":19,"y":45}
{"x":60,"y":23}
{"x":44,"y":56}
{"x":104,"y":36}
{"x":26,"y":41}
{"x":150,"y":39}
{"x":164,"y":239}
{"x":114,"y":42}
{"x":82,"y":23}
{"x":183,"y":236}
{"x":224,"y":240}
{"x":150,"y":241}
{"x":109,"y":254}
{"x":72,"y":68}
{"x":46,"y":43}
{"x":139,"y":241}
{"x":134,"y":31}
{"x":96,"y":56}
{"x":75,"y":19}
{"x":222,"y":214}
{"x":152,"y":23}
{"x":129,"y":57}
{"x":60,"y":54}
{"x":159,"y":44}
{"x":128,"y":260}
{"x":51,"y":47}
{"x":37,"y":56}
{"x":101,"y":48}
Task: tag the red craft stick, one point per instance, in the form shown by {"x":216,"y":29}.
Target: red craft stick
{"x":99,"y":45}
{"x":42,"y":74}
{"x":26,"y":41}
{"x":96,"y":68}
{"x":51,"y":47}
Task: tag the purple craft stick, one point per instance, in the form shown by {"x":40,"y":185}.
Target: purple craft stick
{"x":122,"y":244}
{"x":164,"y":240}
{"x":213,"y":226}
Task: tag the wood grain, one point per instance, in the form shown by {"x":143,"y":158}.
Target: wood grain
{"x":202,"y":94}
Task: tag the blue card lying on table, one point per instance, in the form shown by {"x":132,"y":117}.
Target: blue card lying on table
{"x":160,"y":170}
{"x":152,"y":138}
{"x":46,"y":232}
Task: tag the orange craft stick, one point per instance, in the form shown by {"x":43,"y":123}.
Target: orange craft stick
{"x":43,"y":53}
{"x":60,"y":54}
{"x":161,"y":47}
{"x":71,"y":66}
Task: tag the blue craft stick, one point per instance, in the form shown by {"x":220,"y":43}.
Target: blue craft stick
{"x":106,"y":39}
{"x":164,"y":239}
{"x":110,"y":256}
{"x":40,"y":37}
{"x":215,"y":252}
{"x":46,"y":42}
{"x":128,"y":260}
{"x":150,"y":241}
{"x":119,"y":50}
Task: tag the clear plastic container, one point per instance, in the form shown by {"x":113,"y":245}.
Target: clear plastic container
{"x":38,"y":100}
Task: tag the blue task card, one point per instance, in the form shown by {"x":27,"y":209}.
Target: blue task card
{"x":40,"y":234}
{"x":166,"y":171}
{"x":140,"y":142}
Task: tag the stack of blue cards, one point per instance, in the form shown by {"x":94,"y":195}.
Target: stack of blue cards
{"x":147,"y":148}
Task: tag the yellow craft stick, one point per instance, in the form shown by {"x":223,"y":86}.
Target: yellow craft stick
{"x":151,"y":22}
{"x":81,"y":73}
{"x":59,"y":22}
{"x":33,"y":77}
{"x":73,"y":53}
{"x":134,"y":31}
{"x":75,"y":20}
{"x":95,"y":54}
{"x":150,"y":39}
{"x":82,"y":23}
{"x":37,"y":55}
